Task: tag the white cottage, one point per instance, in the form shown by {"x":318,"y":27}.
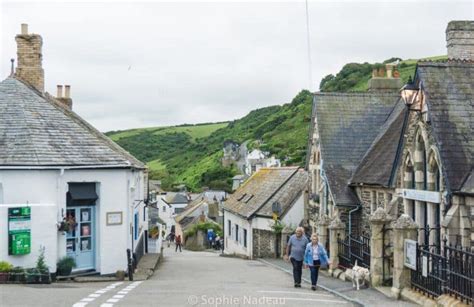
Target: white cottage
{"x":249,"y":213}
{"x":55,"y":167}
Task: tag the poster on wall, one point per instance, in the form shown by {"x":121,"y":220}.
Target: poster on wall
{"x":19,"y":231}
{"x":410,"y":254}
{"x":114,"y":218}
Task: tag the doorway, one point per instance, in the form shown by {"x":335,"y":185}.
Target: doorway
{"x":81,"y":212}
{"x":80,"y":239}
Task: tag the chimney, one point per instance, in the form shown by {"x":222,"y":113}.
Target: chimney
{"x":382,"y":82}
{"x":30,"y":57}
{"x":66,"y":98}
{"x":460,"y":39}
{"x":59,"y":92}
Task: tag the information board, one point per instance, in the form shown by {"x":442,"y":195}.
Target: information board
{"x":19,"y":231}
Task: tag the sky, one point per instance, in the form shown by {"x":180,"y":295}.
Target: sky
{"x":152,"y":63}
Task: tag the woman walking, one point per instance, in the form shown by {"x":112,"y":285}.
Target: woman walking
{"x":315,"y":256}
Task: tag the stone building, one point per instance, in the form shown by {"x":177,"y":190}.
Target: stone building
{"x":344,"y":126}
{"x":250,"y":213}
{"x":376,"y":149}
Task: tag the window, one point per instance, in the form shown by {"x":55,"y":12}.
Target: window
{"x":164,"y":208}
{"x":178,"y":210}
{"x":236,"y":232}
{"x":245,"y":237}
{"x":229,"y":228}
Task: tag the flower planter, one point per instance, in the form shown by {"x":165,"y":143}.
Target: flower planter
{"x":4,"y":277}
{"x":64,"y":271}
{"x":17,"y":277}
{"x":34,"y":276}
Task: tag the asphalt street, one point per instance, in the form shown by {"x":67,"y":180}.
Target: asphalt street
{"x":183,"y":279}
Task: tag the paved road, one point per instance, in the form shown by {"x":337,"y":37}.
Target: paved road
{"x":205,"y":279}
{"x":183,"y":279}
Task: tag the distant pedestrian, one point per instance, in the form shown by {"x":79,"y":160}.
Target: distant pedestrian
{"x":295,"y":253}
{"x":315,"y":256}
{"x":178,"y":243}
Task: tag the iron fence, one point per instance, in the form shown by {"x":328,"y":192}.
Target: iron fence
{"x":354,"y":248}
{"x":447,"y":269}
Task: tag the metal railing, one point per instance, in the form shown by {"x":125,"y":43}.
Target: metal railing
{"x":354,"y":248}
{"x":447,"y":269}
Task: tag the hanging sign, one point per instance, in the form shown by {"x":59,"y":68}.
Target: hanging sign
{"x":19,"y":231}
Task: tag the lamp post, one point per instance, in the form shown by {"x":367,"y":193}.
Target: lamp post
{"x":409,"y":92}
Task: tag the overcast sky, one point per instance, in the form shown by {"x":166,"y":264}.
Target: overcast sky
{"x":155,"y":63}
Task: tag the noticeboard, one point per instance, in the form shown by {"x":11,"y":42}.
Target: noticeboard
{"x":410,"y":254}
{"x":19,"y":231}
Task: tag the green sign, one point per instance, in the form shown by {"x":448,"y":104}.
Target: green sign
{"x":19,"y":231}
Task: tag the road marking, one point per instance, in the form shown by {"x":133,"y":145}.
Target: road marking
{"x":118,"y":296}
{"x":310,"y":300}
{"x":88,"y":299}
{"x":294,"y":292}
{"x":91,"y":297}
{"x":106,"y":305}
{"x":113,"y":300}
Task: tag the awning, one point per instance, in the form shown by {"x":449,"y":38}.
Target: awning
{"x":82,"y":191}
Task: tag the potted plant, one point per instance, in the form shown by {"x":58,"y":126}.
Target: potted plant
{"x":65,"y":265}
{"x":5,"y":269}
{"x":40,"y":274}
{"x":17,"y":275}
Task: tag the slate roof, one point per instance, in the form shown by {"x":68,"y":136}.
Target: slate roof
{"x":263,"y":188}
{"x":379,"y":164}
{"x":449,"y":90}
{"x":348,"y":123}
{"x":35,"y":131}
{"x":176,"y":198}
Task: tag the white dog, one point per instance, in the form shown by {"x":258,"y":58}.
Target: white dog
{"x":359,"y":275}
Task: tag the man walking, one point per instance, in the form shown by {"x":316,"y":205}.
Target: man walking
{"x":178,"y":243}
{"x":295,"y":252}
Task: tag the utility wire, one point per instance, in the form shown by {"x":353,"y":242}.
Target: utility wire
{"x":310,"y":63}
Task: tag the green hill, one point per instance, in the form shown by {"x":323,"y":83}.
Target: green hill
{"x":191,"y":154}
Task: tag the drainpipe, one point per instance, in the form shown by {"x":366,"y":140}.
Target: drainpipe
{"x":350,"y":219}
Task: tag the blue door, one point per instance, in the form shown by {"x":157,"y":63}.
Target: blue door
{"x":80,"y":242}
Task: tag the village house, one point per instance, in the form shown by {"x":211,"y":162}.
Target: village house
{"x":270,"y":198}
{"x":169,"y":205}
{"x":406,"y":175}
{"x":64,"y":186}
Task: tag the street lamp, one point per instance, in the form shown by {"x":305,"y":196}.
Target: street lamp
{"x":409,"y":92}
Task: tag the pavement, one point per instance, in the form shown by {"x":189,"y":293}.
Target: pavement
{"x":198,"y":279}
{"x":369,"y":297}
{"x":206,"y":279}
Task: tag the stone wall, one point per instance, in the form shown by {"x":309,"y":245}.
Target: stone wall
{"x":373,"y":198}
{"x":263,"y":244}
{"x":460,"y":40}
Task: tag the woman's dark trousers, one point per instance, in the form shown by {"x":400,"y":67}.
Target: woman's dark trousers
{"x":314,"y":272}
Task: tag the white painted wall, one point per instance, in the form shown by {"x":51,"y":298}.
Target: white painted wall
{"x":118,"y":190}
{"x":168,"y":214}
{"x":296,"y":214}
{"x":231,"y":246}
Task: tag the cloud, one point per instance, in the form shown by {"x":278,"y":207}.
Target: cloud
{"x":154,"y":63}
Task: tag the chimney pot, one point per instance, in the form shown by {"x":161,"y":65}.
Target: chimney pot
{"x":59,"y":92}
{"x":389,"y":69}
{"x":67,"y":91}
{"x":24,"y":29}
